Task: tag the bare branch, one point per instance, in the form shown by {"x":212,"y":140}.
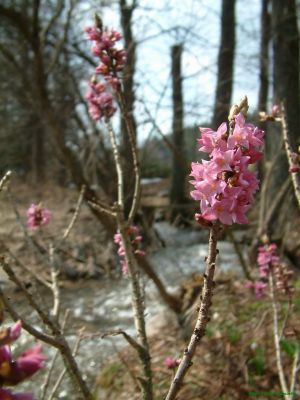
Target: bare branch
{"x":203,"y":314}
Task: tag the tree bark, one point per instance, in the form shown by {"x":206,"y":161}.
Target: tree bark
{"x":285,"y":78}
{"x":225,"y":63}
{"x":286,"y":62}
{"x":177,"y":193}
{"x":265,"y":29}
{"x":265,"y":26}
{"x":128,"y":88}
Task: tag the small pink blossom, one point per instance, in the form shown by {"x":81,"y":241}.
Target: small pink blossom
{"x":135,"y":238}
{"x":11,"y":334}
{"x":294,"y":168}
{"x":37,"y":215}
{"x":258,"y":286}
{"x":14,"y":371}
{"x":275,"y":110}
{"x":171,"y":362}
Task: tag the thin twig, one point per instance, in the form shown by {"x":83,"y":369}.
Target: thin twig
{"x":136,"y":164}
{"x":13,"y":277}
{"x":75,"y":214}
{"x":203,"y":314}
{"x":55,"y":284}
{"x":57,"y":340}
{"x":295,"y":369}
{"x":29,"y":328}
{"x":288,"y":149}
{"x":118,"y":165}
{"x":127,"y":337}
{"x":239,"y":253}
{"x":281,"y":375}
{"x":53,"y":361}
{"x":287,"y":315}
{"x":63,"y":372}
{"x":4,"y":180}
{"x":137,"y":297}
{"x":102,"y":209}
{"x":30,"y":271}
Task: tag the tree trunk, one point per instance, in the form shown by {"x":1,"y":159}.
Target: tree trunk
{"x":285,"y":81}
{"x":225,"y":64}
{"x":128,"y":87}
{"x":177,"y":193}
{"x":265,"y":29}
{"x":265,"y":26}
{"x":286,"y":63}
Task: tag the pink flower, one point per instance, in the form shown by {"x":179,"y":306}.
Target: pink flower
{"x":294,"y":168}
{"x":14,"y":371}
{"x":275,"y":110}
{"x":6,"y":394}
{"x":224,"y":185}
{"x":258,"y":287}
{"x":135,"y":238}
{"x":11,"y":334}
{"x":100,"y":101}
{"x":171,"y":362}
{"x":37,"y":215}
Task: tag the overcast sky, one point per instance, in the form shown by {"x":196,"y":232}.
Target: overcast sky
{"x":159,"y":24}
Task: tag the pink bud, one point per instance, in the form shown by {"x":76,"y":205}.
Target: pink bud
{"x":171,"y":362}
{"x":294,"y":168}
{"x":275,"y":110}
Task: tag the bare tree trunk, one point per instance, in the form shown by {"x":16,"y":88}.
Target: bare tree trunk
{"x":128,"y":88}
{"x":225,"y":63}
{"x":285,"y":78}
{"x":265,"y":29}
{"x":177,"y":193}
{"x":286,"y":63}
{"x":265,"y":26}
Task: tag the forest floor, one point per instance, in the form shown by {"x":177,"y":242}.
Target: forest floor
{"x":235,"y":360}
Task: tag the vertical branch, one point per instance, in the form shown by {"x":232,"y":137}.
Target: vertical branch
{"x":137,"y":297}
{"x":118,"y":165}
{"x":134,"y":152}
{"x":127,"y":116}
{"x":203,"y":314}
{"x":55,"y":284}
{"x":282,"y":379}
{"x":138,"y":307}
{"x":295,"y":369}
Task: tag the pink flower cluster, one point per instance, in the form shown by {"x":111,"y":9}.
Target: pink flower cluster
{"x":223,"y":184}
{"x":111,"y":63}
{"x":100,"y":101}
{"x":268,"y":260}
{"x":37,"y":215}
{"x":267,"y":257}
{"x":12,"y":371}
{"x":135,"y":238}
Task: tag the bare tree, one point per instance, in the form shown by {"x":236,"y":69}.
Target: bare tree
{"x":225,"y":63}
{"x":177,"y":193}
